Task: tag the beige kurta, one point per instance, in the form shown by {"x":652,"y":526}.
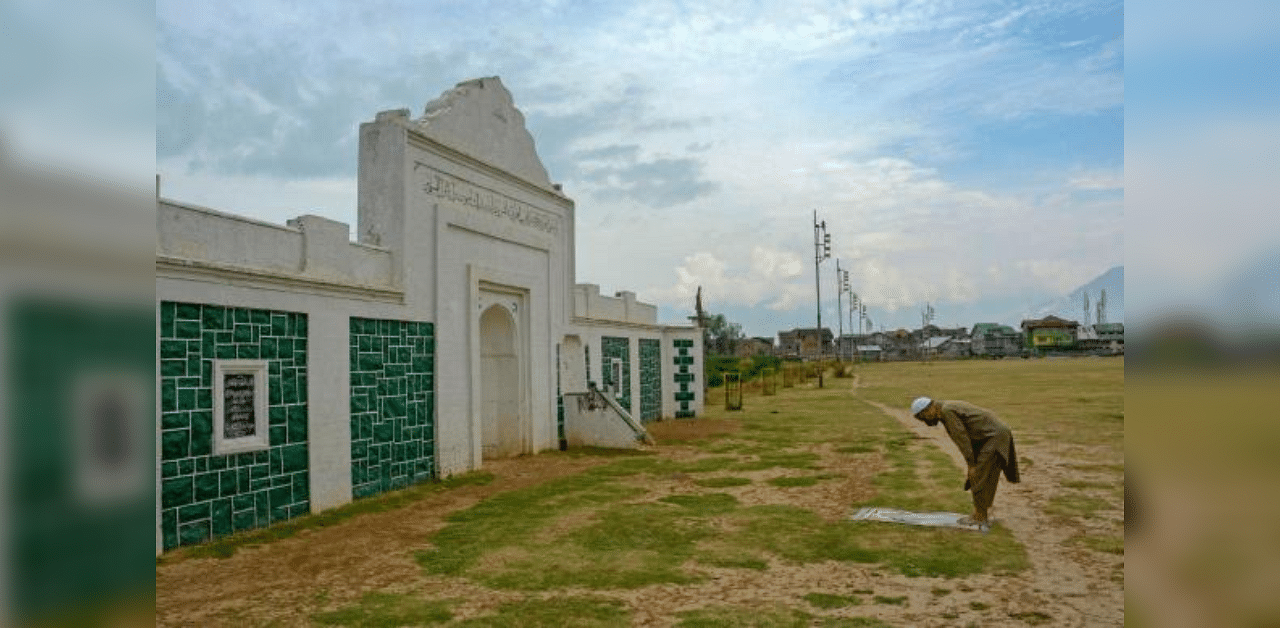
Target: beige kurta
{"x":986,"y":444}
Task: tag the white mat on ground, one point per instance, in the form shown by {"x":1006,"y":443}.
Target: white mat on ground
{"x":936,"y":519}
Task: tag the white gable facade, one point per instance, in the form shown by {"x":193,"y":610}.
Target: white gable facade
{"x":449,"y":333}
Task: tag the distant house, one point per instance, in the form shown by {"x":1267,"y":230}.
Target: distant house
{"x":1050,"y":332}
{"x":995,"y":340}
{"x":1103,"y":337}
{"x":870,"y":353}
{"x":750,"y":347}
{"x":806,"y":342}
{"x":944,"y":347}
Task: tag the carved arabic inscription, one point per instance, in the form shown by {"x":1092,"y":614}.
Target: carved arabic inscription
{"x":449,"y":188}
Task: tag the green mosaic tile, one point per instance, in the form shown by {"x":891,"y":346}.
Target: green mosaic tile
{"x":201,"y":433}
{"x":276,"y":462}
{"x":218,"y":463}
{"x":169,"y":529}
{"x":295,"y":458}
{"x":243,"y":501}
{"x":297,"y":431}
{"x":173,"y":349}
{"x":188,"y":311}
{"x":214,"y":317}
{"x":247,"y":352}
{"x":227,"y":484}
{"x":244,"y":520}
{"x":289,"y":390}
{"x":262,"y":507}
{"x":172,"y":420}
{"x":202,"y":464}
{"x":193,"y":533}
{"x":204,"y":399}
{"x":226,"y":352}
{"x":193,"y":512}
{"x":168,"y":394}
{"x":280,"y":496}
{"x":277,"y":435}
{"x":177,"y":491}
{"x":173,"y":368}
{"x":168,"y":470}
{"x":206,"y":486}
{"x":186,"y":399}
{"x":267,"y":348}
{"x":239,"y":315}
{"x":175,"y":444}
{"x":260,"y":317}
{"x":684,"y":396}
{"x":389,"y":372}
{"x":186,"y":466}
{"x":186,"y":330}
{"x":167,"y":315}
{"x":301,"y":487}
{"x":279,"y":325}
{"x":220,"y":519}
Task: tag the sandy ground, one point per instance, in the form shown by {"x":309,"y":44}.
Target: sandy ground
{"x":283,"y":583}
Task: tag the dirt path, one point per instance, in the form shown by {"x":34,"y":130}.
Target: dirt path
{"x":1072,"y":585}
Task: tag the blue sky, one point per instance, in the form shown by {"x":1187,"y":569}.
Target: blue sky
{"x":967,"y":155}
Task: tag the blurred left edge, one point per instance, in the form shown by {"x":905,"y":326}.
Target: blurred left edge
{"x":77,"y":398}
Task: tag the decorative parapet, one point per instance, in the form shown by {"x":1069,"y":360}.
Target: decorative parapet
{"x":623,"y":307}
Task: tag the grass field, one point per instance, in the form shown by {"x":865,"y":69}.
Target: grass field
{"x":754,"y":498}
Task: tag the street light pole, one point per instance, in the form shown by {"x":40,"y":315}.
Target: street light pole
{"x":821,"y":251}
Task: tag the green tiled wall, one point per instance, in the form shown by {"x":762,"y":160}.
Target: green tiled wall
{"x":620,"y":348}
{"x":684,"y":377}
{"x":392,"y":404}
{"x":204,"y":496}
{"x":650,"y":379}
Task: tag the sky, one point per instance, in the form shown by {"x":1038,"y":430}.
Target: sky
{"x":967,"y":155}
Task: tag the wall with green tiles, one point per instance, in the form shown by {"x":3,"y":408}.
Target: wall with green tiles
{"x":650,"y":379}
{"x":618,"y":348}
{"x":205,"y":496}
{"x":684,"y":377}
{"x":392,"y":404}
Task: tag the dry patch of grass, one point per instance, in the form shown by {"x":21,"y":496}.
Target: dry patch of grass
{"x":680,"y":430}
{"x":385,"y":609}
{"x":829,"y":601}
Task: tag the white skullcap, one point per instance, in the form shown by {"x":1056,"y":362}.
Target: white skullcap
{"x":920,"y":404}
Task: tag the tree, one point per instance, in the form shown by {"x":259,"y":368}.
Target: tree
{"x":722,"y":336}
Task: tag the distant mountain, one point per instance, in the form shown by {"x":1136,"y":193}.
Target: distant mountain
{"x":1071,"y":306}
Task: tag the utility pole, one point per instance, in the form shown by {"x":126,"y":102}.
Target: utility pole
{"x":926,"y":317}
{"x":839,"y":308}
{"x":853,"y":307}
{"x":844,"y":285}
{"x":821,"y":251}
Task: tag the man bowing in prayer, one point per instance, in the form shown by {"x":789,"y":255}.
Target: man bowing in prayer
{"x":985,"y":443}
